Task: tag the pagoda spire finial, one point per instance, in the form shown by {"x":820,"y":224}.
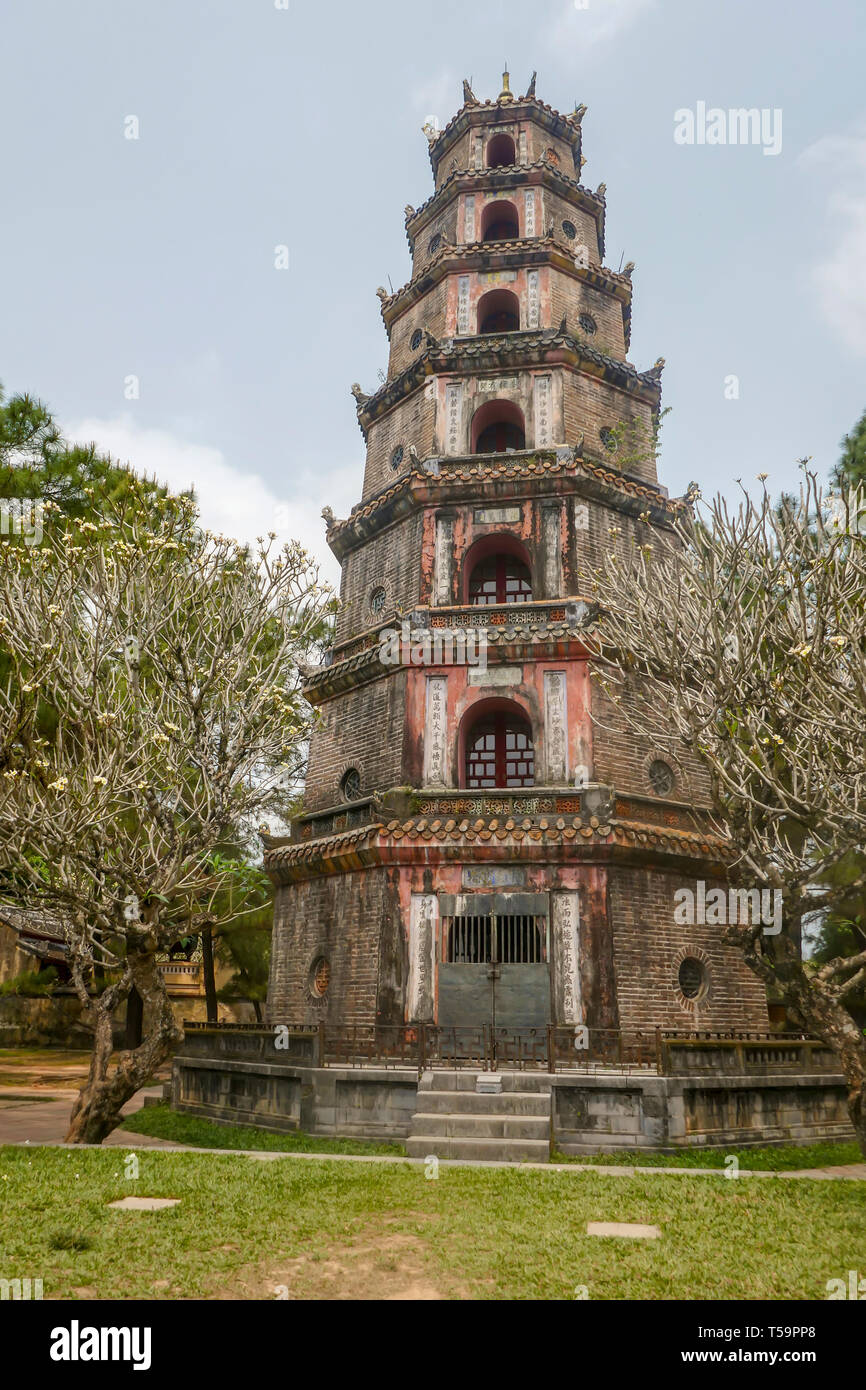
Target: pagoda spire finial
{"x":506,"y":94}
{"x":530,"y":91}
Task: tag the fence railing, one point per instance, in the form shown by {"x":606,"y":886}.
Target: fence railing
{"x":486,"y":1047}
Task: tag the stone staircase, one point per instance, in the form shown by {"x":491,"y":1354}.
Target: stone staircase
{"x":482,"y":1115}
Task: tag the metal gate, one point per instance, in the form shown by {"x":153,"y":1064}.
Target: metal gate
{"x":494,"y":969}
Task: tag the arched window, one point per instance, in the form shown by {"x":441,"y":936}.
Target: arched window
{"x":498,"y":428}
{"x":498,"y":312}
{"x":499,"y":751}
{"x":499,"y":222}
{"x":500,"y":579}
{"x":500,"y":152}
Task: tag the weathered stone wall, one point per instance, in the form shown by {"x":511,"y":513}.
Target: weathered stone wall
{"x":591,"y":1113}
{"x":606,"y":1114}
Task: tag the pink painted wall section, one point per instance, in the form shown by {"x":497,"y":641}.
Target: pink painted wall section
{"x":588,"y":881}
{"x":467,"y":687}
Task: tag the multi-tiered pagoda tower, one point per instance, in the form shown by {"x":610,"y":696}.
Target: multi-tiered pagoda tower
{"x":480,"y":844}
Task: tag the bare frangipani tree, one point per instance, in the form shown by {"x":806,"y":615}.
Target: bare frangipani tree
{"x":165,"y":663}
{"x":742,"y":636}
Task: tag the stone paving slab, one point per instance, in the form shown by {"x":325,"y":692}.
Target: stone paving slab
{"x":623,"y":1230}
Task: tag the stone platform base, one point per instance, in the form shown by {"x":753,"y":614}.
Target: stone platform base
{"x":600,"y":1112}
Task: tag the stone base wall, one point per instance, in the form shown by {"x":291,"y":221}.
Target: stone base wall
{"x":591,"y":1113}
{"x":364,"y":1103}
{"x":603,"y":1114}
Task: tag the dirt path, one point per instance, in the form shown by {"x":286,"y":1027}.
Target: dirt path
{"x":378,"y":1264}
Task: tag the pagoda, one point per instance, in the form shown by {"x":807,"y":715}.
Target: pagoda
{"x":482,"y":844}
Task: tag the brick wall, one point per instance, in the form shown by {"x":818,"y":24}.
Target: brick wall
{"x":428,"y":313}
{"x":444,"y":224}
{"x":410,"y":422}
{"x":622,"y":758}
{"x":569,"y":296}
{"x":589,"y":405}
{"x":648,"y":946}
{"x":340,"y":918}
{"x":390,"y":560}
{"x":558,"y":209}
{"x":364,"y":729}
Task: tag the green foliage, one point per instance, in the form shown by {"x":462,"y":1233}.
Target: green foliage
{"x":852,"y":460}
{"x":31,"y":984}
{"x":37,"y":462}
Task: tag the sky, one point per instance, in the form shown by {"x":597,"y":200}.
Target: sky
{"x":145,"y":301}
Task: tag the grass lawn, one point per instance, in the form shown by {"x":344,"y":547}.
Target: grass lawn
{"x":775,"y":1160}
{"x":245,"y":1228}
{"x":163,"y":1123}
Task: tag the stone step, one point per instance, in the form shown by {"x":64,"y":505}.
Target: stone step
{"x":476,"y":1103}
{"x":436,"y":1080}
{"x":483,"y":1126}
{"x":489,"y":1150}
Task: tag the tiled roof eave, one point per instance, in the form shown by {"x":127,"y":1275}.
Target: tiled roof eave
{"x":554,"y":837}
{"x":419,"y":487}
{"x":525,"y":347}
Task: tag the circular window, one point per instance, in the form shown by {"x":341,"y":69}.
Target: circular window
{"x":570,"y":230}
{"x":661,"y":777}
{"x":416,"y":340}
{"x":377,"y":601}
{"x":397,"y":457}
{"x":608,"y":439}
{"x":434,"y":243}
{"x":587,"y":323}
{"x":692,"y":978}
{"x":350,"y":784}
{"x":320,"y":977}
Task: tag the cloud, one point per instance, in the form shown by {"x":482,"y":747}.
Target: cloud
{"x":837,"y":279}
{"x":587,"y":23}
{"x":231,"y":501}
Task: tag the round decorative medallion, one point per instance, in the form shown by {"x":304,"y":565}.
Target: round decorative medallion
{"x":416,"y":340}
{"x":570,"y":230}
{"x":661,"y":777}
{"x":692,"y":978}
{"x":320,"y":976}
{"x":434,"y":243}
{"x":350,"y":784}
{"x":587,"y":323}
{"x":397,"y":457}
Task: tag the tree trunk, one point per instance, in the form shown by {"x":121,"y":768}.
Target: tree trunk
{"x":258,"y":1011}
{"x":96,"y":1111}
{"x":820,"y":1013}
{"x":134,"y":1019}
{"x":209,"y":978}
